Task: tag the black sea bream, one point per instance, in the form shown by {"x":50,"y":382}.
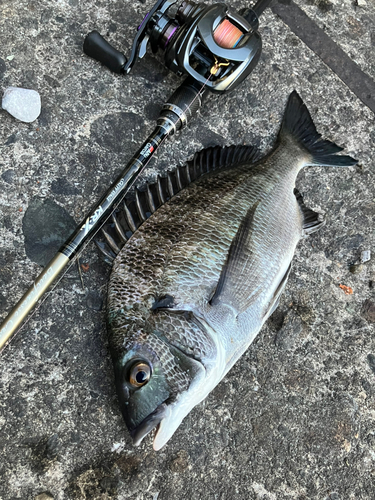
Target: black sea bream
{"x":209,"y":256}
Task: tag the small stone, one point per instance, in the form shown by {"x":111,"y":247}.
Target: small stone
{"x":365,"y":256}
{"x":44,"y":496}
{"x":180,"y":463}
{"x":94,"y":301}
{"x":368,"y":310}
{"x":23,"y":104}
{"x":53,"y":447}
{"x":371,"y":362}
{"x":62,"y":186}
{"x":8,"y":176}
{"x":361,"y":3}
{"x":109,"y":484}
{"x":355,"y":268}
{"x":2,"y":67}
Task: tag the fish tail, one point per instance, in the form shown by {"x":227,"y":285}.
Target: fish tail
{"x":298,"y":125}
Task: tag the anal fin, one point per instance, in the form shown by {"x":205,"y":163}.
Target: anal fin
{"x":312,"y":221}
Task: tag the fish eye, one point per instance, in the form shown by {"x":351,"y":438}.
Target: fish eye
{"x":139,"y":374}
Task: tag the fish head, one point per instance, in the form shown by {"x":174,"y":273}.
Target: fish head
{"x":142,"y":389}
{"x":157,"y":385}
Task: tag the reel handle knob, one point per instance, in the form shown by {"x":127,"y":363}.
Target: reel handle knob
{"x":98,"y":48}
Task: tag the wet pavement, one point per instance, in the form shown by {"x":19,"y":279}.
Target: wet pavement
{"x":294,"y":419}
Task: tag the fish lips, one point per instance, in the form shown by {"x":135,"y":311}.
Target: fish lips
{"x":148,"y":424}
{"x":168,"y":417}
{"x":167,"y":409}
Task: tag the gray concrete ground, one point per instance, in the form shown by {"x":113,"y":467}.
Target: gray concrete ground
{"x":294,"y":419}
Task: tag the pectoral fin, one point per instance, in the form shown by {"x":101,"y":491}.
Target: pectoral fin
{"x":274,"y":303}
{"x":232,"y":288}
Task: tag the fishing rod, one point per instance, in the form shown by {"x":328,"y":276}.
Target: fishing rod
{"x":215,"y":47}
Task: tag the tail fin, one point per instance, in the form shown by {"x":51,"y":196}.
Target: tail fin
{"x":298,"y":123}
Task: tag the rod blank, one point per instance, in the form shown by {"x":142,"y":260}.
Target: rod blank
{"x":260,"y":6}
{"x":31,"y":297}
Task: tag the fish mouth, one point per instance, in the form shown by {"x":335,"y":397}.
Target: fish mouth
{"x":148,"y":424}
{"x":206,"y":374}
{"x":167,"y":417}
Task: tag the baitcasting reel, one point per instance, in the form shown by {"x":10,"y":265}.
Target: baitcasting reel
{"x":212,"y":44}
{"x":215,"y":47}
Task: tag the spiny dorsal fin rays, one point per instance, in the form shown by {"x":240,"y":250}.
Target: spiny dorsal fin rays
{"x":140,"y":205}
{"x":155,"y":194}
{"x":171,"y":189}
{"x":160,"y":191}
{"x":178,"y":178}
{"x":107,"y":255}
{"x":119,"y":228}
{"x":129,"y":218}
{"x":150,"y":199}
{"x":111,"y":242}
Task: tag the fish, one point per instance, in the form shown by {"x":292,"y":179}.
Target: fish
{"x":200,"y":259}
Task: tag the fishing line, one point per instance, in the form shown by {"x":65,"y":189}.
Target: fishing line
{"x":197,"y":40}
{"x":89,"y":240}
{"x":164,"y":139}
{"x":227,"y":35}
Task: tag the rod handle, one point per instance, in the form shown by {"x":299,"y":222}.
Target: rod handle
{"x":98,"y":48}
{"x":31,"y":297}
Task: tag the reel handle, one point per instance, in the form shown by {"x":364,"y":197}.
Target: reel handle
{"x":98,"y":48}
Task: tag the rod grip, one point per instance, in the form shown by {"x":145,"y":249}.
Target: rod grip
{"x":14,"y":319}
{"x":98,"y":48}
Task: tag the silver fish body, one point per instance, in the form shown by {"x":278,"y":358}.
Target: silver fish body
{"x":192,"y":287}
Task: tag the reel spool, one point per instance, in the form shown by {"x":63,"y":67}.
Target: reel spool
{"x":216,"y":47}
{"x":227,"y":35}
{"x":202,"y":41}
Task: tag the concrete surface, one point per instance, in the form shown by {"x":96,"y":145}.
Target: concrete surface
{"x":294,"y":419}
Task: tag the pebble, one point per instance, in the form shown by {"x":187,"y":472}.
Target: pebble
{"x":361,"y":3}
{"x":94,"y":301}
{"x":368,"y":310}
{"x":44,"y":496}
{"x":356,"y":268}
{"x":23,"y":104}
{"x":52,"y":447}
{"x":365,"y":256}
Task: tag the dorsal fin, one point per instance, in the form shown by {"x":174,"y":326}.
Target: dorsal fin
{"x":312,"y":221}
{"x":217,"y":157}
{"x":152,"y":196}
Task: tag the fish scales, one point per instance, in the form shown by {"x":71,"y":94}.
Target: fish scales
{"x":190,"y":290}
